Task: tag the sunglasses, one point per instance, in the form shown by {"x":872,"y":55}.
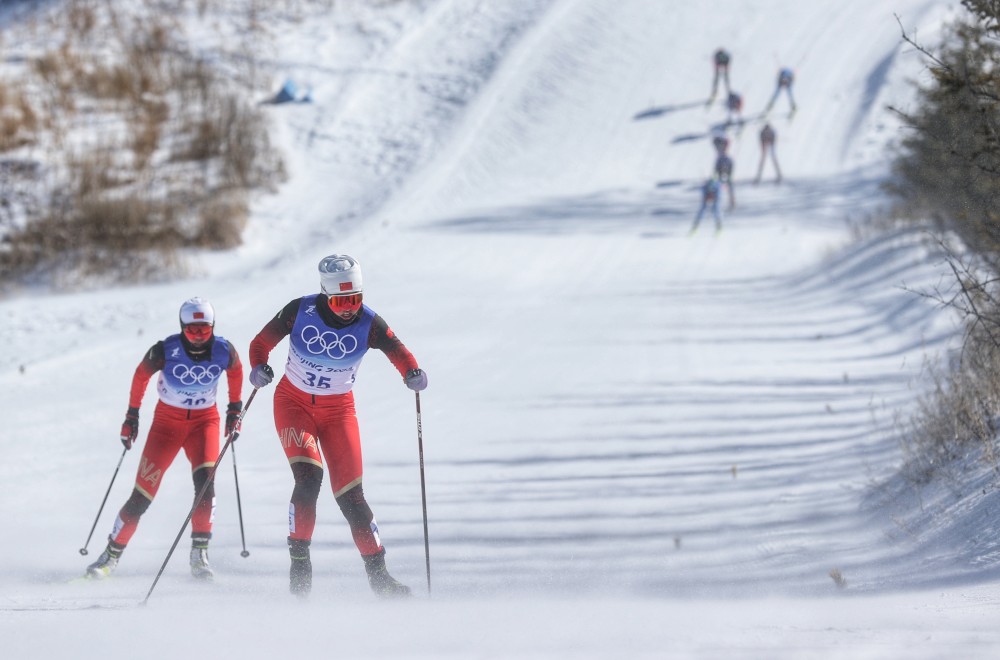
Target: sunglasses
{"x":348,"y":302}
{"x":195,"y":331}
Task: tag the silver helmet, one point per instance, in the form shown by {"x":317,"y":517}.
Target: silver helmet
{"x":197,"y":310}
{"x":340,"y":274}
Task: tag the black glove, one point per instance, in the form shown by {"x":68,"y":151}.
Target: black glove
{"x":233,"y":417}
{"x":416,"y":379}
{"x":261,"y":376}
{"x":130,"y":427}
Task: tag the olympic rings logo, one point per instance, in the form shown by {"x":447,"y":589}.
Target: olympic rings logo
{"x":328,"y":342}
{"x":196,"y":374}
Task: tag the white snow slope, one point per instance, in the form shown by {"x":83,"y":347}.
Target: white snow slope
{"x":637,"y":441}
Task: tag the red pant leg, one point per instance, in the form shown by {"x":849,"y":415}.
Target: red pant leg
{"x":311,"y":429}
{"x":166,"y":436}
{"x":202,"y":449}
{"x":297,"y":432}
{"x":340,"y":442}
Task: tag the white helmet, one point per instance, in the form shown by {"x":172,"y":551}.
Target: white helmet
{"x":340,"y":274}
{"x":197,"y":310}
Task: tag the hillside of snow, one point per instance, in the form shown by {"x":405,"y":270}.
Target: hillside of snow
{"x":638,"y":440}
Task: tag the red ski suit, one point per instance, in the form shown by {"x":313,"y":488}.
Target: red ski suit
{"x":175,"y":427}
{"x":313,"y":427}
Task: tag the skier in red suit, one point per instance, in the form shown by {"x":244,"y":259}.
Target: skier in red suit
{"x":191,"y":364}
{"x":329,"y":333}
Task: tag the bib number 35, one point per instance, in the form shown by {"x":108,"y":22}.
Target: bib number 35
{"x":319,"y":382}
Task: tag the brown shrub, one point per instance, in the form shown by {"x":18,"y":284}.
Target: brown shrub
{"x":92,"y":172}
{"x":145,"y":138}
{"x":81,"y":17}
{"x":222,"y":220}
{"x":126,"y":237}
{"x":18,"y":119}
{"x":48,"y":67}
{"x":115,"y":82}
{"x":175,"y":149}
{"x":961,"y":413}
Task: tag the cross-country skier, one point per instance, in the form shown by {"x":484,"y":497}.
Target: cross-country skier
{"x":734,"y":109}
{"x":724,"y":174}
{"x":720,"y":141}
{"x":720,"y":60}
{"x":329,"y":333}
{"x":767,"y":141}
{"x":191,"y":364}
{"x":785,"y":79}
{"x":709,"y":200}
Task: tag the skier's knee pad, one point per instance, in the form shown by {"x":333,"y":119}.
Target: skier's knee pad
{"x":200,"y":476}
{"x":136,"y":504}
{"x":355,"y":508}
{"x":308,"y":481}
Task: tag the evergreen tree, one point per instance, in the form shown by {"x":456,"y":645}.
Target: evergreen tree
{"x":949,"y":167}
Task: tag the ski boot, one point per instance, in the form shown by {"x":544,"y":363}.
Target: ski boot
{"x":383,"y":584}
{"x":199,"y":558}
{"x":301,"y":571}
{"x":106,"y":562}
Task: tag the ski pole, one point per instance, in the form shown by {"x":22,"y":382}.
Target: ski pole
{"x":239,"y":507}
{"x":423,"y":492}
{"x":83,"y":550}
{"x":201,"y":494}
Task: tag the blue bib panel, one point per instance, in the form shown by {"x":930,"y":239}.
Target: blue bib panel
{"x":184,"y":383}
{"x":325,"y":360}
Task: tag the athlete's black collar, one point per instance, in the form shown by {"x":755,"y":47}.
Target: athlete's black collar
{"x":198,"y":353}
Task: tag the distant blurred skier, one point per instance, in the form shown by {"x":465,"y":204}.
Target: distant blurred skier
{"x":720,"y":60}
{"x":191,"y":365}
{"x":709,"y":200}
{"x":734,"y":108}
{"x":785,"y":79}
{"x":724,"y":174}
{"x":721,"y":142}
{"x":767,"y":142}
{"x":329,"y":333}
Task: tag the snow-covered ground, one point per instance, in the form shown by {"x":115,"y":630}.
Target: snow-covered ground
{"x":638,"y":441}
